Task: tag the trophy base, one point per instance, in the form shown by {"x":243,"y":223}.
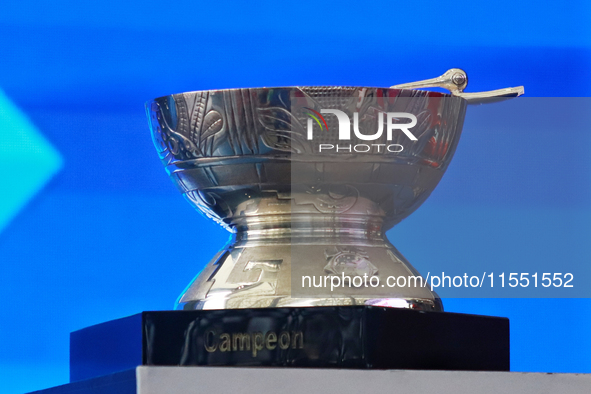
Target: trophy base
{"x":357,"y":337}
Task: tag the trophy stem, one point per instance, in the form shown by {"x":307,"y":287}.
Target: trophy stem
{"x":303,"y":228}
{"x":255,"y":268}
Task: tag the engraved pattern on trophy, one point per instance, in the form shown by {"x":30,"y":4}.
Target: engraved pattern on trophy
{"x":348,"y":262}
{"x":329,"y":199}
{"x":265,"y":282}
{"x":244,"y":158}
{"x":281,"y":130}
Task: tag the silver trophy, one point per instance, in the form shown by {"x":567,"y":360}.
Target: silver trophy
{"x":308,"y":187}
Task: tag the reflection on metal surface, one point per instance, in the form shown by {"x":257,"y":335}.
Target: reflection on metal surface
{"x":244,"y":159}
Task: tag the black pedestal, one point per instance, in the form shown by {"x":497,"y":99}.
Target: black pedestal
{"x":335,"y":337}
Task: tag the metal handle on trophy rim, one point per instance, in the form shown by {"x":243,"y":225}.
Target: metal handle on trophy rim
{"x":455,"y":80}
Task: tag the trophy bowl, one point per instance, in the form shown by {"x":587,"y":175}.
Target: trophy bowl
{"x":307,"y":186}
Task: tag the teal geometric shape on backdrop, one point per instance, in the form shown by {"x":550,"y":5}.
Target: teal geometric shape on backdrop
{"x":27,"y":160}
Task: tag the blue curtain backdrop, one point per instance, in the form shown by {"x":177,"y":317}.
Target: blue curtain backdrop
{"x":91,"y":229}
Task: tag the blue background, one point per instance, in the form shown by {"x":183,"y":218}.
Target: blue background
{"x":93,"y":230}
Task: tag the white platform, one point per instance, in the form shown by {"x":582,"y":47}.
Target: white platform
{"x":210,"y":380}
